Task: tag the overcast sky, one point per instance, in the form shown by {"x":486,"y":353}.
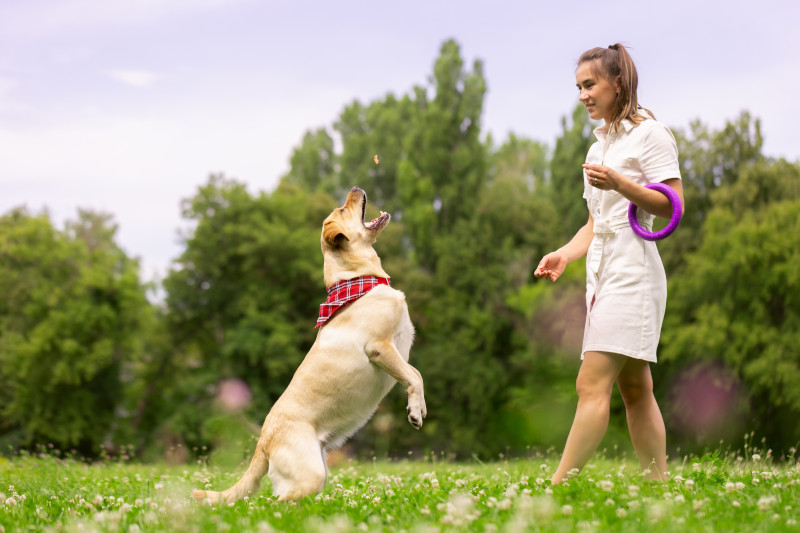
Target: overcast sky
{"x":127,"y":106}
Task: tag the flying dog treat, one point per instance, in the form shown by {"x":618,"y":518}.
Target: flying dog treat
{"x":376,"y":159}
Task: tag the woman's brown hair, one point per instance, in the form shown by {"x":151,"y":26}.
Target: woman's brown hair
{"x":615,"y":63}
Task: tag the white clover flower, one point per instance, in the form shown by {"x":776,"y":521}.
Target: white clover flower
{"x":765,"y":502}
{"x":425,"y":511}
{"x":605,"y":484}
{"x":735,"y":503}
{"x":10,"y":501}
{"x":657,"y":512}
{"x":460,"y":483}
{"x":566,"y":509}
{"x":543,"y":467}
{"x":680,"y":498}
{"x":621,"y":513}
{"x":689,"y":483}
{"x":609,"y":501}
{"x":696,"y":467}
{"x":730,"y":487}
{"x":678,"y":479}
{"x":740,"y":485}
{"x":634,"y":504}
{"x":756,"y":457}
{"x":504,"y":504}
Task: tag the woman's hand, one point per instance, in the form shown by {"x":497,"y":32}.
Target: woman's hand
{"x":551,"y":266}
{"x":602,"y":177}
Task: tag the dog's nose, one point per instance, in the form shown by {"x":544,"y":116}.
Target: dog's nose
{"x":356,"y":189}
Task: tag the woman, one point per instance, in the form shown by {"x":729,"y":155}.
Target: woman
{"x":626,"y":287}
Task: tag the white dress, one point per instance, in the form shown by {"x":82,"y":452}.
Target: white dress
{"x":626,"y":287}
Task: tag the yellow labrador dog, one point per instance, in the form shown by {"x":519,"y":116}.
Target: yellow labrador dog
{"x":360,"y":352}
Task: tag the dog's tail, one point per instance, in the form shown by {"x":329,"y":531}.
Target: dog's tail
{"x":249,"y":484}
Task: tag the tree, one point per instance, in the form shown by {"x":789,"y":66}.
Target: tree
{"x":70,"y":321}
{"x":738,"y":302}
{"x":313,"y":163}
{"x":444,"y":164}
{"x":566,"y":181}
{"x":378,"y":129}
{"x":243,"y":297}
{"x":710,"y":161}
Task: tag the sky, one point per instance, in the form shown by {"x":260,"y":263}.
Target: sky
{"x":126,"y":107}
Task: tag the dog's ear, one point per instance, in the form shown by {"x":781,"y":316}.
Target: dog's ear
{"x":333,"y":233}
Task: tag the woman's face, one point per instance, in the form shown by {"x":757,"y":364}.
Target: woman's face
{"x":598,"y":93}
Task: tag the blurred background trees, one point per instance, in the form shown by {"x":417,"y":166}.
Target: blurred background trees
{"x":87,"y":361}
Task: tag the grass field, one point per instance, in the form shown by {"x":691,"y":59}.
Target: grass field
{"x":745,"y":491}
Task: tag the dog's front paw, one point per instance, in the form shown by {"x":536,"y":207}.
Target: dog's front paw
{"x":415,"y":415}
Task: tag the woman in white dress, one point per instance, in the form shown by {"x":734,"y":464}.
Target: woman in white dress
{"x":626,"y":287}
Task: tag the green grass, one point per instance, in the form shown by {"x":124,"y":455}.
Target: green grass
{"x":714,"y":493}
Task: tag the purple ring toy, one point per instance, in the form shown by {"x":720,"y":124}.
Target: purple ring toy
{"x":673,"y":222}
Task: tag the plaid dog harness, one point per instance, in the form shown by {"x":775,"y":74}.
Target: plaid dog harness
{"x":345,"y":292}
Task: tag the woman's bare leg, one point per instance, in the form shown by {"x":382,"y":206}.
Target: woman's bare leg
{"x":645,"y":422}
{"x":595,"y":381}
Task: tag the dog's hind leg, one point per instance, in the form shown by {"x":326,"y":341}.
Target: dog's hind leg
{"x":297,"y":467}
{"x":248,"y":484}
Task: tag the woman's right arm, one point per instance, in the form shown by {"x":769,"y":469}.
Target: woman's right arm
{"x":553,"y":264}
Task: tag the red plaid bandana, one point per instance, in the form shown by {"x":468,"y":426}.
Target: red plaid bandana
{"x":346,"y":292}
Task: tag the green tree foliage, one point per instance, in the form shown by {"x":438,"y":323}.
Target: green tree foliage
{"x":444,"y":164}
{"x":377,"y":129}
{"x":313,"y":163}
{"x":243,"y":297}
{"x":710,"y":160}
{"x":738,"y":302}
{"x":71,"y":317}
{"x":566,"y":171}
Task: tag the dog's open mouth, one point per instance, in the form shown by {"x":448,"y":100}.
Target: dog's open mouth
{"x":376,"y":223}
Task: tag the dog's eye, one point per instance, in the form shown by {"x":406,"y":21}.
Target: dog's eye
{"x":341,"y":211}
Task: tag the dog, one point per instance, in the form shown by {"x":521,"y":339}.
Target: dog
{"x":360,"y":352}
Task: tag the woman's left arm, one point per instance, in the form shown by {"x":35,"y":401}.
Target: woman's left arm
{"x":651,"y":201}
